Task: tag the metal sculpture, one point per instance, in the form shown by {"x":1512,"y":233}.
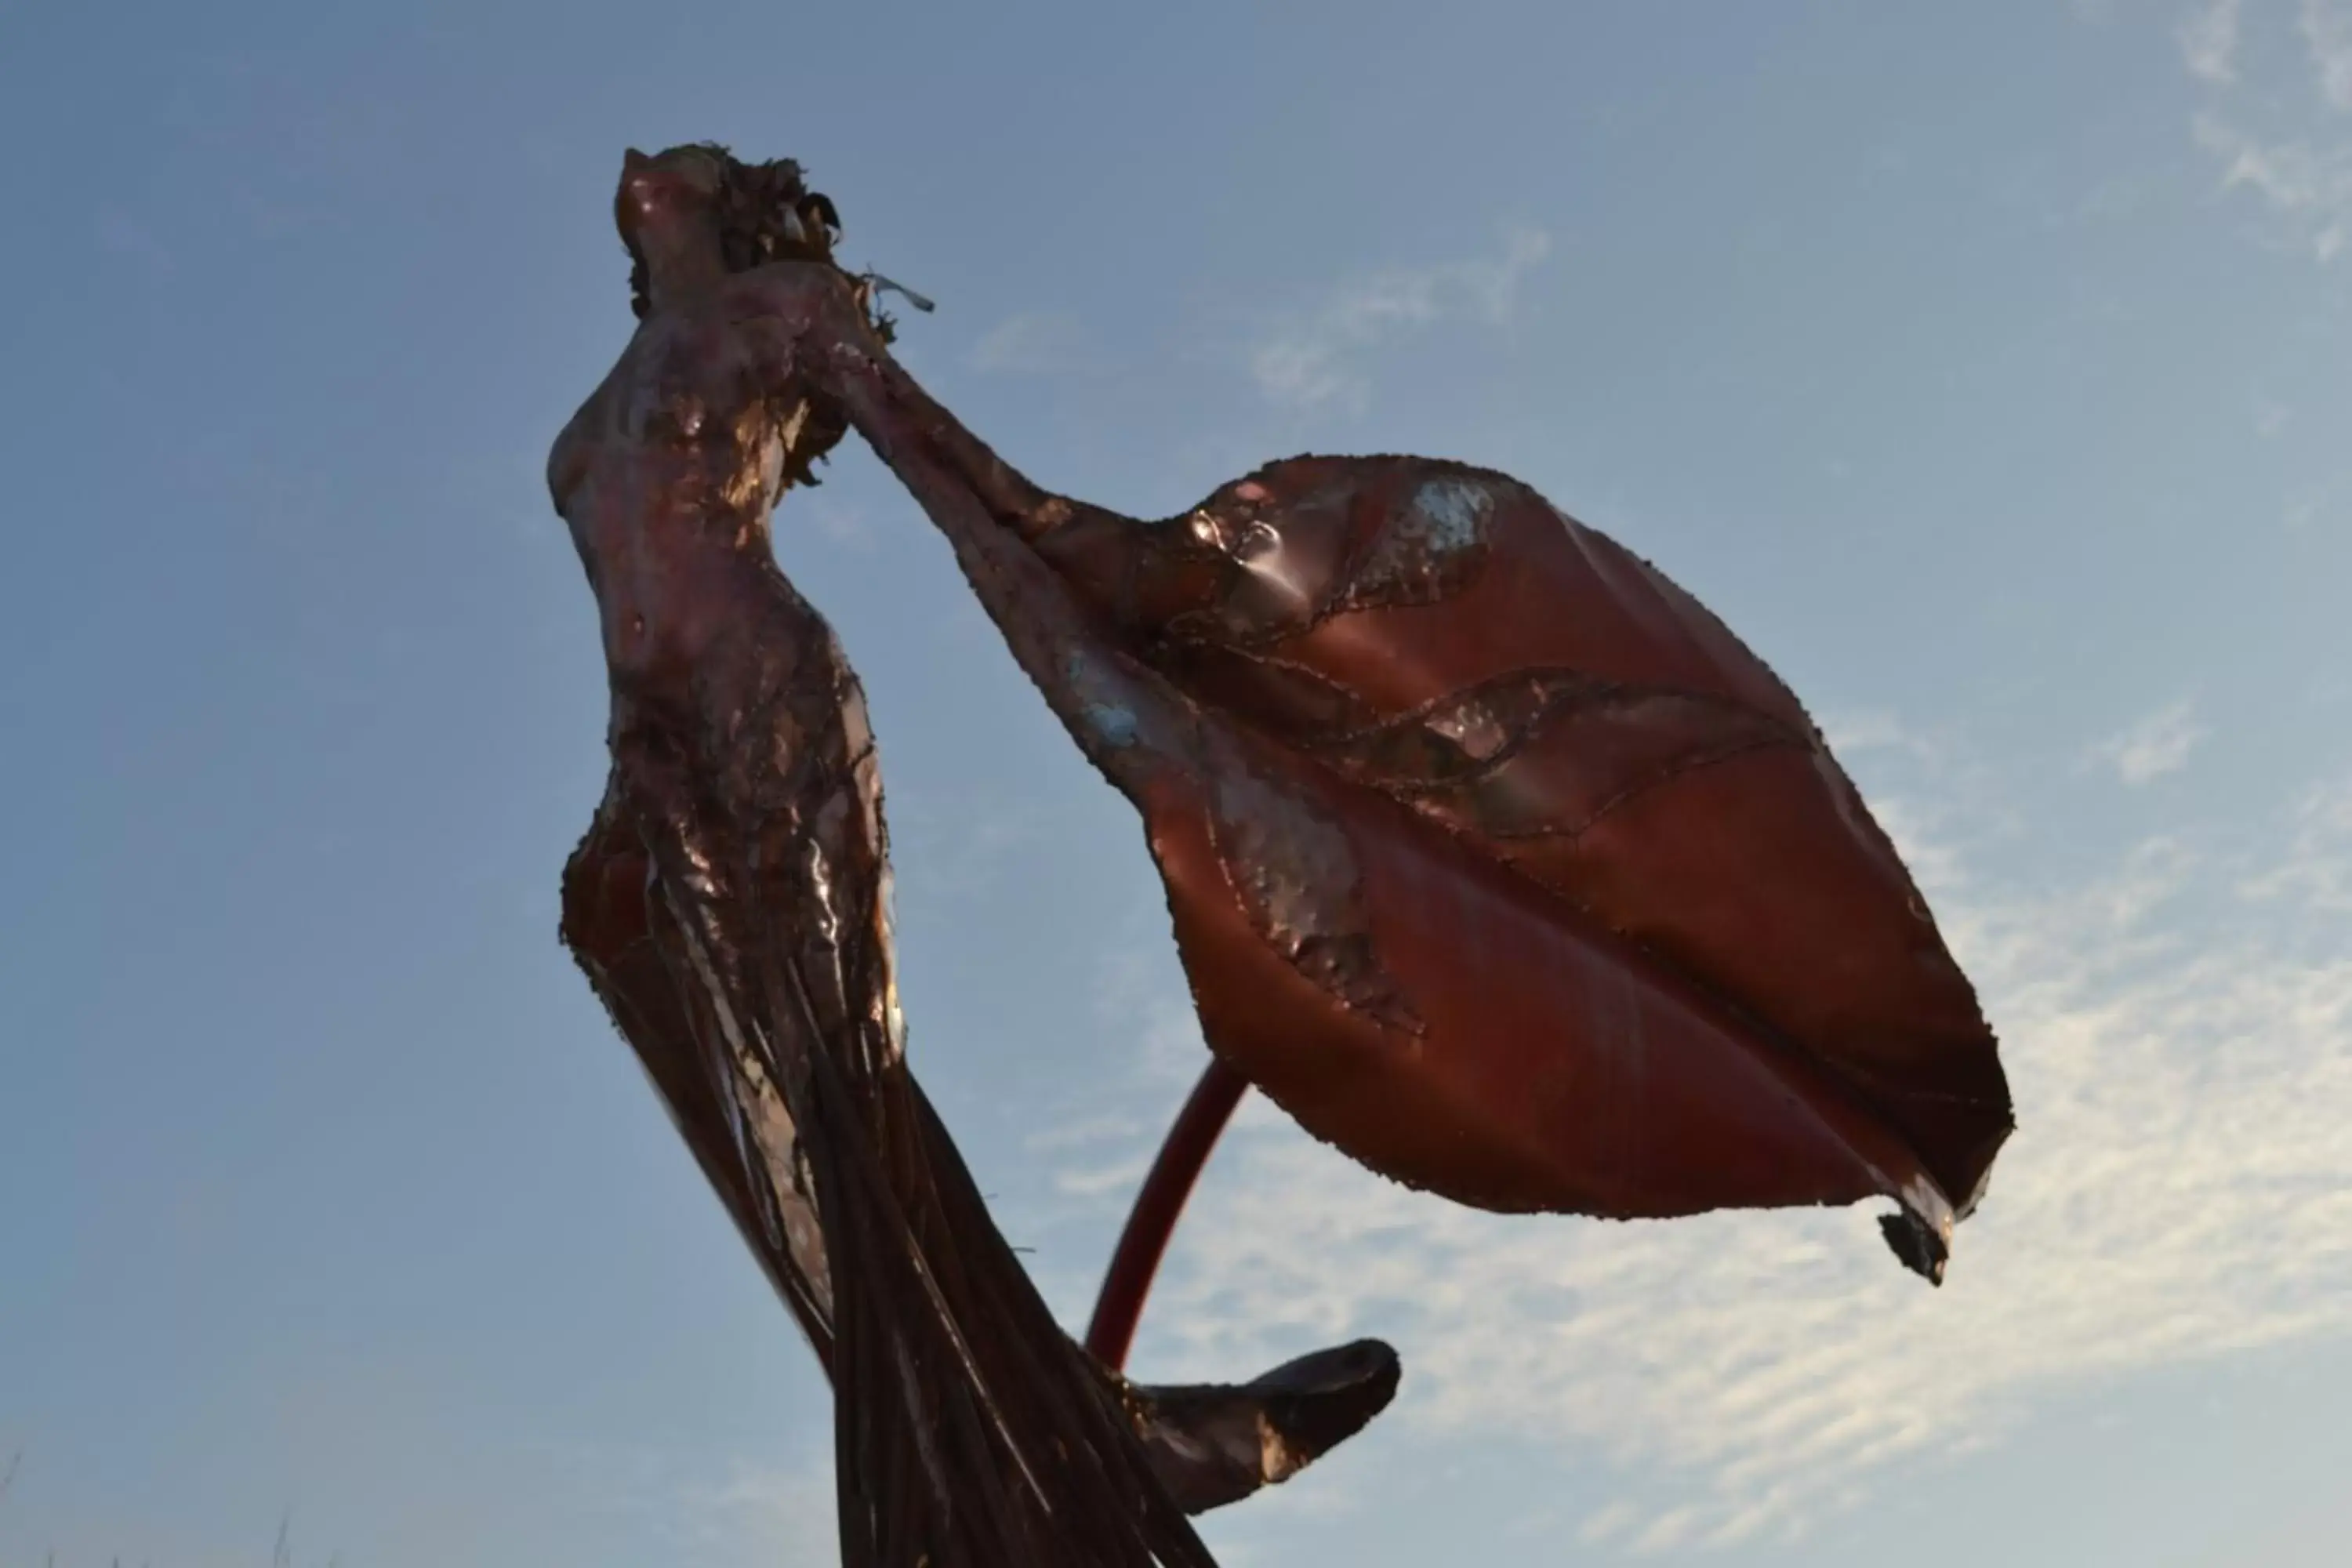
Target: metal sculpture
{"x":730,"y":904}
{"x":1492,"y":857}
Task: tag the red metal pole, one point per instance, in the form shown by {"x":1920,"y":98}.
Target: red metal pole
{"x":1157,"y":1205}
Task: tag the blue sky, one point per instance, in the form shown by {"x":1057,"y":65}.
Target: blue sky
{"x":1991,"y":376}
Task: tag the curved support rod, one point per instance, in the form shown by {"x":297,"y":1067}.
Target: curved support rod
{"x":1158,"y":1206}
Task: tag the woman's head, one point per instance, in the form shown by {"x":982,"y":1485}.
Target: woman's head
{"x":699,"y":200}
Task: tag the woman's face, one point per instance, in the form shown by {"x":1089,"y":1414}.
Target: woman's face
{"x":664,"y":194}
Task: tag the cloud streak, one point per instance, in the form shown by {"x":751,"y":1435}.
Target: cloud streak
{"x":2158,"y":745}
{"x":2209,"y":41}
{"x":2299,"y":166}
{"x":2308,"y":186}
{"x":2326,"y":28}
{"x":1314,"y":360}
{"x":2316,"y":872}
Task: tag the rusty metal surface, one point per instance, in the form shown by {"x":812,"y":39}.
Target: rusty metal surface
{"x":731,"y":906}
{"x":1578,"y":913}
{"x":1158,"y":1203}
{"x":1213,"y":1445}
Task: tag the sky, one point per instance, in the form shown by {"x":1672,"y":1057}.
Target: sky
{"x":1986,"y":369}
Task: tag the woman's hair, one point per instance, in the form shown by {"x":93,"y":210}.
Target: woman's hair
{"x":766,"y":213}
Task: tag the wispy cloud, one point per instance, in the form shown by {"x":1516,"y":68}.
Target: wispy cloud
{"x":2326,"y":28}
{"x":2180,"y":1190}
{"x":2311,"y":187}
{"x":2158,"y":745}
{"x":1082,"y":1131}
{"x":1314,"y":359}
{"x":2306,"y":503}
{"x":1030,"y":344}
{"x":2316,"y":872}
{"x":1120,"y":1176}
{"x":2209,"y":41}
{"x":2297,"y":163}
